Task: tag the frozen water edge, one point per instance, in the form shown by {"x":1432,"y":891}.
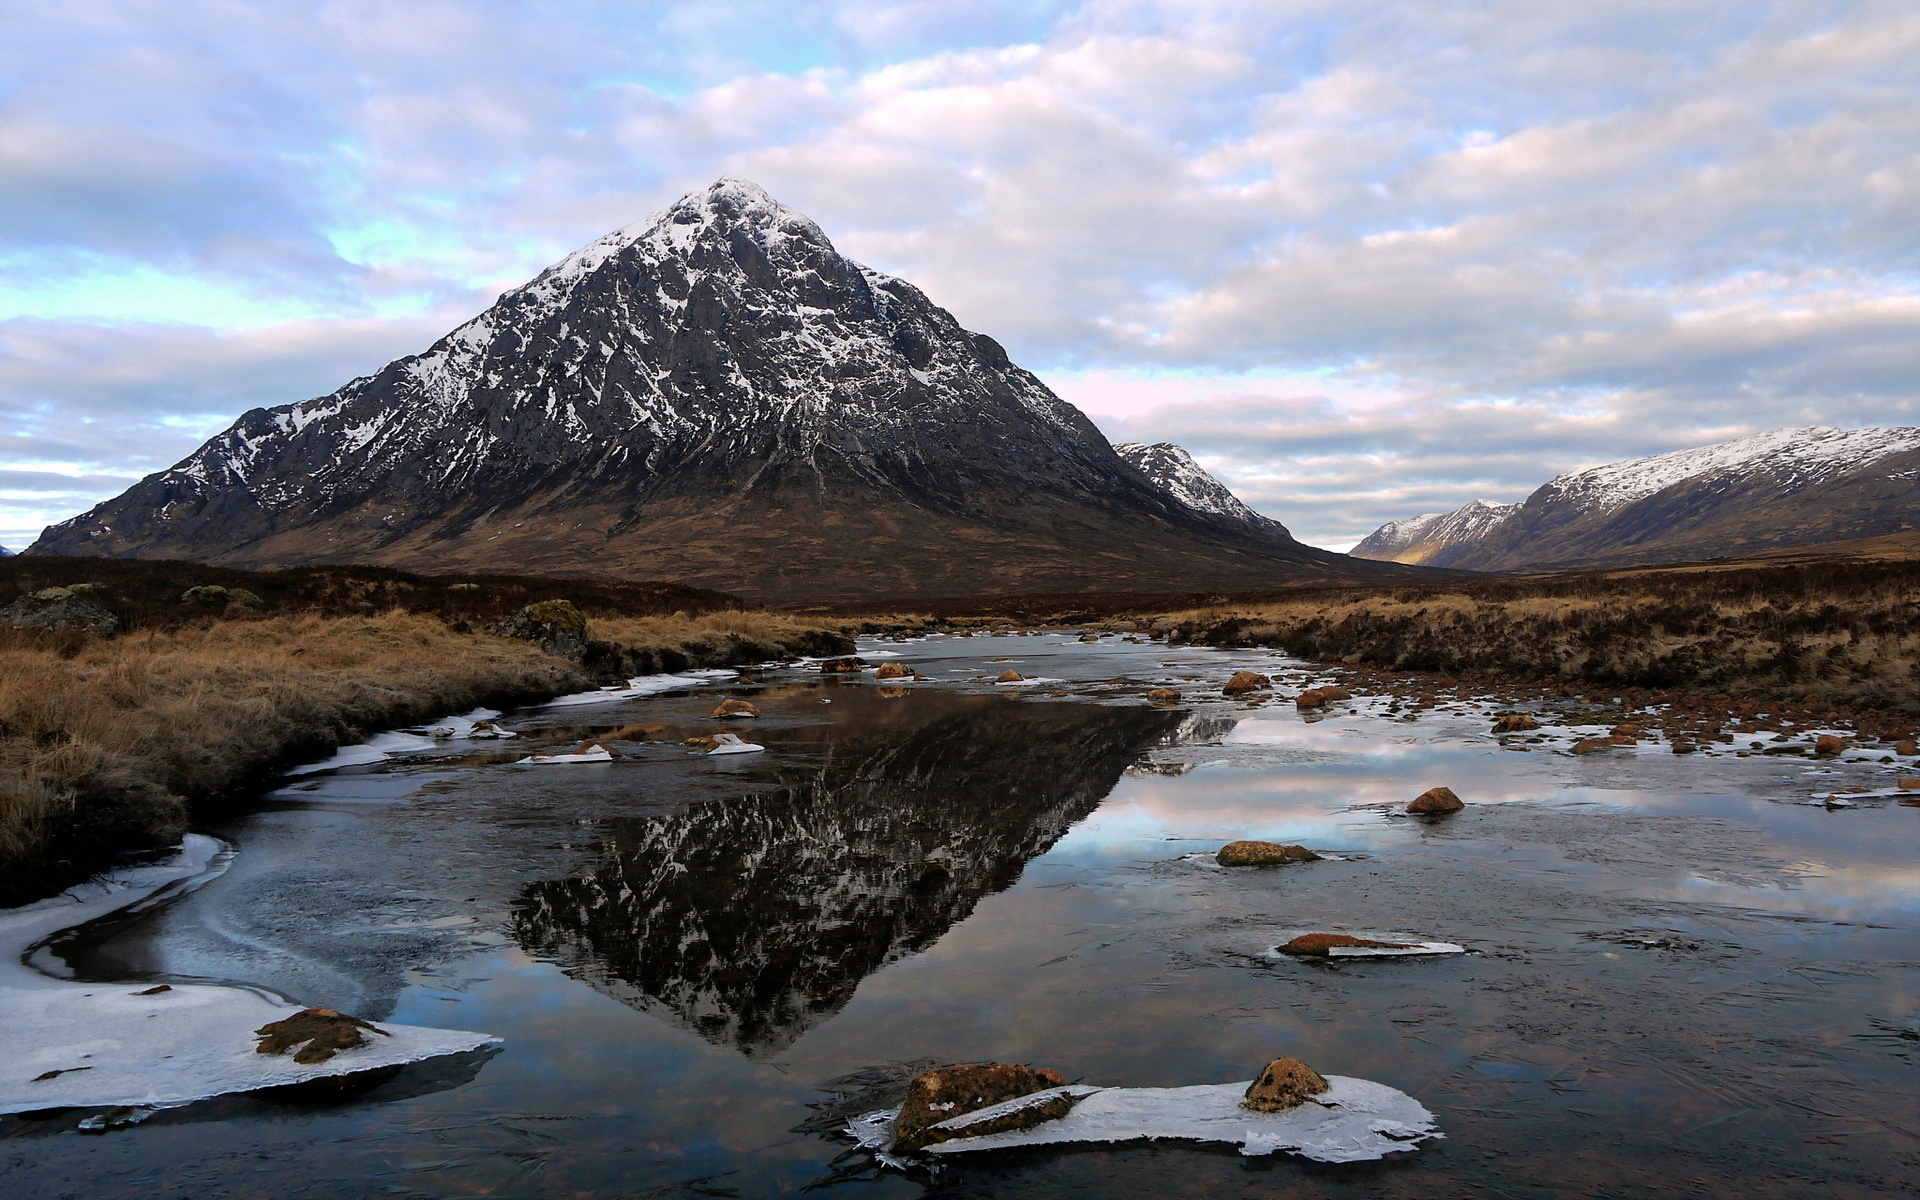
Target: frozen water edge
{"x":191,"y":1042}
{"x":1355,"y":1120}
{"x":412,"y":740}
{"x":642,"y":685}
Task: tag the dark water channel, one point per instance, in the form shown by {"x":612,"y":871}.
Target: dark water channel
{"x":1684,"y":978}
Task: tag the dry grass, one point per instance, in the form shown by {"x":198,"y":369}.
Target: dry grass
{"x":103,"y":744}
{"x":1841,"y":633}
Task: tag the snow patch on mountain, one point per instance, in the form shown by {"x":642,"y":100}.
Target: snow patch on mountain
{"x":1797,"y":457}
{"x":1173,"y":471}
{"x":1418,"y":539}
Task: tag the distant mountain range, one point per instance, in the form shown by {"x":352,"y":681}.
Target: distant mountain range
{"x":714,"y":396}
{"x":1789,"y":487}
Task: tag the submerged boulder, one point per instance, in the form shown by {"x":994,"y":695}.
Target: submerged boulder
{"x":58,"y":608}
{"x":1246,"y":681}
{"x":1436,"y":800}
{"x":735,"y":708}
{"x":941,"y":1095}
{"x":1260,"y":854}
{"x":557,"y":626}
{"x":1285,"y":1083}
{"x":314,"y":1035}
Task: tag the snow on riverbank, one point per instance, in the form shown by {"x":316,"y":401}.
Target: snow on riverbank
{"x":90,"y":1045}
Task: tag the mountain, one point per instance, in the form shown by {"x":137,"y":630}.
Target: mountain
{"x":5,"y":553}
{"x":1788,"y":487}
{"x":716,"y":396}
{"x":1173,"y":471}
{"x":1430,"y":537}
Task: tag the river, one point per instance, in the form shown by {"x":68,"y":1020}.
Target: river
{"x":1685,"y":976}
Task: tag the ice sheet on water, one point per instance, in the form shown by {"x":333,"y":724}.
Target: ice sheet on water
{"x":107,"y":1045}
{"x":1355,"y":1120}
{"x":641,"y":685}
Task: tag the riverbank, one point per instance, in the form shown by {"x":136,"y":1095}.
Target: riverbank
{"x":109,"y":745}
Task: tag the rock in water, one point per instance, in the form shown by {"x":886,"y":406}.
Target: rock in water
{"x":1827,"y":743}
{"x":1163,"y":695}
{"x":892,"y":671}
{"x":317,"y":1032}
{"x":1286,"y":1083}
{"x":558,"y":627}
{"x":735,"y":708}
{"x":1332,"y":692}
{"x":1515,"y":723}
{"x":57,"y":608}
{"x":713,"y":395}
{"x":1260,"y":854}
{"x":1246,"y":681}
{"x":1319,"y":944}
{"x":1311,"y":698}
{"x":1010,"y":676}
{"x":949,"y":1092}
{"x":1436,"y":800}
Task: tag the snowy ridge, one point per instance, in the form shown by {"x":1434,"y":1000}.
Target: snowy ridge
{"x":1174,"y":472}
{"x":1799,"y":457}
{"x":1419,"y":539}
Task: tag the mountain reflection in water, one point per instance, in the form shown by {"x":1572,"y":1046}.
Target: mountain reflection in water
{"x":751,"y":920}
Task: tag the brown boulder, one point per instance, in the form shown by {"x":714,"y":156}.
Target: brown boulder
{"x":735,"y":708}
{"x":702,"y":741}
{"x":318,"y":1032}
{"x":1594,"y":745}
{"x":1334,"y":692}
{"x":950,"y":1092}
{"x":1010,"y":676}
{"x":1515,"y":723}
{"x":1311,"y":698}
{"x":841,"y":666}
{"x":1436,"y":800}
{"x":1631,"y":732}
{"x":1260,"y":854}
{"x":1320,"y":943}
{"x":1246,"y":681}
{"x":1907,"y":783}
{"x":893,"y":671}
{"x":1907,"y":749}
{"x":1163,"y":694}
{"x":1285,"y":1084}
{"x":1826,"y":743}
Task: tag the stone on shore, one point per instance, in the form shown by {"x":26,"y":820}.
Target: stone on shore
{"x":1246,"y":681}
{"x":949,"y":1092}
{"x":557,"y":626}
{"x":58,"y":608}
{"x":1436,"y":800}
{"x":1261,"y":854}
{"x":1285,"y":1083}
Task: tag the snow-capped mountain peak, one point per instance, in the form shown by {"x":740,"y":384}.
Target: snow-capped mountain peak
{"x":1797,"y":456}
{"x":1173,"y":471}
{"x":1420,"y":539}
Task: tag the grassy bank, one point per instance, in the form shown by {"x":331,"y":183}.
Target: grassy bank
{"x":108,"y":745}
{"x":1833,"y":632}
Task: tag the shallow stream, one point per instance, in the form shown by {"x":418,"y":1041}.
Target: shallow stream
{"x":1684,"y":976}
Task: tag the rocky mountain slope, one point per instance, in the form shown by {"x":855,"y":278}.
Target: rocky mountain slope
{"x":1430,"y":537}
{"x":1788,"y":487}
{"x":716,"y":396}
{"x":1174,"y":472}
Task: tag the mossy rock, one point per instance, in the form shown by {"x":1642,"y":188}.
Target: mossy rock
{"x":559,"y":628}
{"x":207,"y":595}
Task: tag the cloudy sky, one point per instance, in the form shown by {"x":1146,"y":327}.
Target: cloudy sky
{"x":1365,"y":259}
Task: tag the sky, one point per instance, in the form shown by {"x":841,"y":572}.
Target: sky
{"x":1363,"y":259}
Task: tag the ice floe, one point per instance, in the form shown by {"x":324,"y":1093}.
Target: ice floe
{"x":641,"y":685}
{"x":476,"y":725}
{"x":1353,"y":1121}
{"x":594,"y":753}
{"x":127,"y":1046}
{"x":733,"y":743}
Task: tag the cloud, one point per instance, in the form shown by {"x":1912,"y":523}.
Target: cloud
{"x":1365,"y":259}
